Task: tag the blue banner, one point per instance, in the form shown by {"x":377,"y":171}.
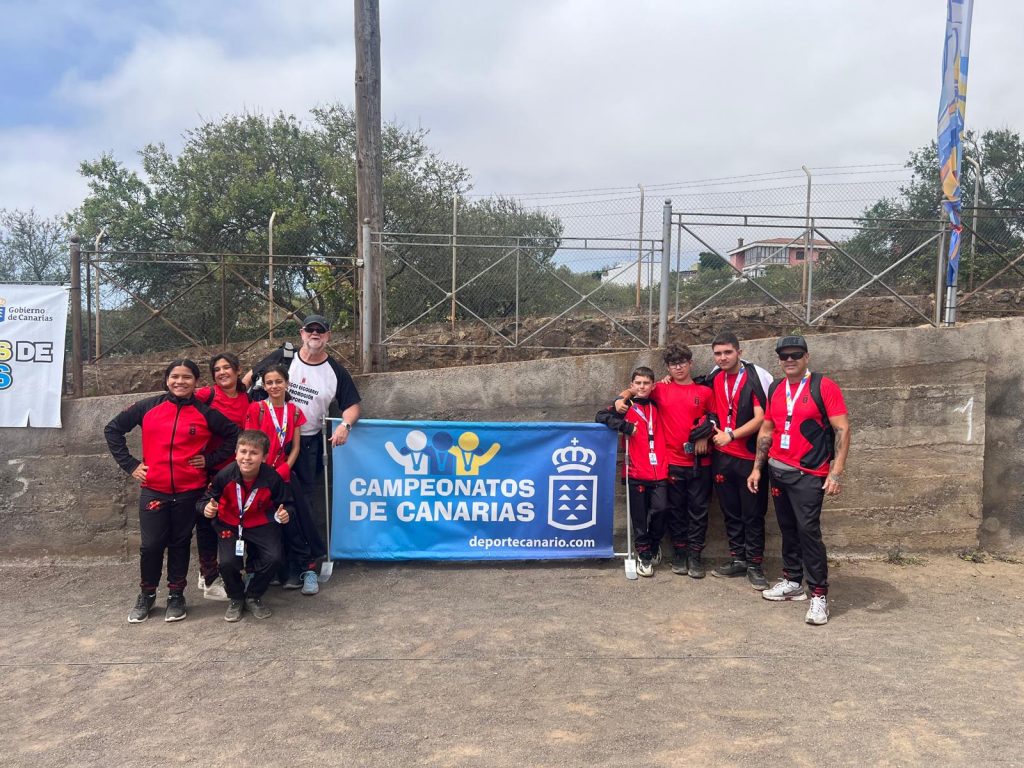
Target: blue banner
{"x":952,"y":118}
{"x":473,"y":491}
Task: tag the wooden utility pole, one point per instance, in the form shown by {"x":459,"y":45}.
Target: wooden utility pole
{"x":369,"y":178}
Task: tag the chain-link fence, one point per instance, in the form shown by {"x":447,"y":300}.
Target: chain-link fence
{"x":477,"y":279}
{"x":141,"y":308}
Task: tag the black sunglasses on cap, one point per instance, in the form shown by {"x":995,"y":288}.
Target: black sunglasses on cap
{"x":798,"y":355}
{"x":315,"y":329}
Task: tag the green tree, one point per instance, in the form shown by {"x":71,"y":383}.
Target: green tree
{"x":894,"y":227}
{"x":34,"y":249}
{"x":217,"y":194}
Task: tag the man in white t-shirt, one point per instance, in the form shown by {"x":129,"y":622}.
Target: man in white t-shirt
{"x":315,"y":380}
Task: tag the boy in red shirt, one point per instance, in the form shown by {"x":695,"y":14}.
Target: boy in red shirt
{"x":805,"y":424}
{"x":248,"y":499}
{"x":682,"y":405}
{"x":647,"y":469}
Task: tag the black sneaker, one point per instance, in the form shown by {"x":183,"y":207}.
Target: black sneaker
{"x":755,"y":575}
{"x":656,"y":556}
{"x":143,"y":605}
{"x":695,"y":568}
{"x":175,"y":607}
{"x":679,"y":561}
{"x":257,"y":608}
{"x":731,"y":568}
{"x":292,"y":582}
{"x":234,"y":611}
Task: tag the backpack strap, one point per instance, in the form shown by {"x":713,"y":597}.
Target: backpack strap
{"x":755,"y":380}
{"x":816,"y":396}
{"x":213,"y":393}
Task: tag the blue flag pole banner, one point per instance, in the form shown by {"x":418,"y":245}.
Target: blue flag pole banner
{"x":952,"y":119}
{"x":33,"y":323}
{"x":473,"y":491}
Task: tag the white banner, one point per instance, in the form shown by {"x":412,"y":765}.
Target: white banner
{"x":33,"y":320}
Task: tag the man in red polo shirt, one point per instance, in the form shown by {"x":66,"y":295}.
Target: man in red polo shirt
{"x":805,"y":438}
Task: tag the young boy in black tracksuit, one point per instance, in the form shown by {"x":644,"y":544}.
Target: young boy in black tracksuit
{"x":646,"y":471}
{"x":248,"y":500}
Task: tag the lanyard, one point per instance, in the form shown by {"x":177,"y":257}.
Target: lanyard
{"x":730,"y":419}
{"x":648,"y":420}
{"x":243,"y":508}
{"x":281,"y":427}
{"x":792,"y":398}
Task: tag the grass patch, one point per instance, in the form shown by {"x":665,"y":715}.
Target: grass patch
{"x":972,"y":555}
{"x":896,"y":555}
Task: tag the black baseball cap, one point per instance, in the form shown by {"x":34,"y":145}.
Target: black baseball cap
{"x":791,"y":341}
{"x":321,"y":320}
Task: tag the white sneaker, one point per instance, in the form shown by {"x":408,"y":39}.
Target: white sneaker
{"x":645,"y":567}
{"x":784,"y":590}
{"x":214,"y":591}
{"x":818,"y":612}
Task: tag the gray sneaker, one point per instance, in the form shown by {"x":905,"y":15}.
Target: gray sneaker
{"x":256,"y":607}
{"x":818,"y":612}
{"x":694,"y":566}
{"x":680,"y":560}
{"x":310,"y":585}
{"x":234,"y":611}
{"x":755,"y":575}
{"x":175,"y":607}
{"x":730,"y":569}
{"x":292,"y":582}
{"x":143,"y":605}
{"x":784,"y":590}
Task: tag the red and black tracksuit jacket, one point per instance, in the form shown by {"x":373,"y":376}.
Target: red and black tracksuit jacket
{"x":173,"y":431}
{"x":271,"y":492}
{"x":633,"y":426}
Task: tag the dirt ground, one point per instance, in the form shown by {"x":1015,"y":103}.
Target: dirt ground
{"x":519,"y":665}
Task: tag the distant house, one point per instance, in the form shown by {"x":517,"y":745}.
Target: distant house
{"x":752,"y":259}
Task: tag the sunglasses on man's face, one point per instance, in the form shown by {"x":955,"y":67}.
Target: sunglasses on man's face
{"x":315,"y":329}
{"x":798,"y":355}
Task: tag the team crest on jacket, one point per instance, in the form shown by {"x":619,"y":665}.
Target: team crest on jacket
{"x":572,"y":490}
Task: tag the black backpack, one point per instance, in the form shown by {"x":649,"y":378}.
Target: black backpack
{"x":256,"y":391}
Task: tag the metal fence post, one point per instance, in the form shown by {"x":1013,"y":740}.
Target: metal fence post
{"x":974,"y":219}
{"x":809,"y":267}
{"x":369,"y":307}
{"x":805,"y":290}
{"x":455,"y":252}
{"x":76,"y":317}
{"x":96,"y":253}
{"x":270,"y":276}
{"x":666,"y":256}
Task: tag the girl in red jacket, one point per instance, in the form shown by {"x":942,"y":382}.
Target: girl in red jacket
{"x":229,"y":397}
{"x":176,"y":432}
{"x":279,"y":419}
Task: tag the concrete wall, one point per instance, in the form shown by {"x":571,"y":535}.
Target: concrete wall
{"x":936,"y":417}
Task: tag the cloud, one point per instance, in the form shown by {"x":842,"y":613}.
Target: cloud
{"x":530,"y":96}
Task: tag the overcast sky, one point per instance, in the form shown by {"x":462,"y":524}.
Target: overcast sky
{"x":532,"y":95}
